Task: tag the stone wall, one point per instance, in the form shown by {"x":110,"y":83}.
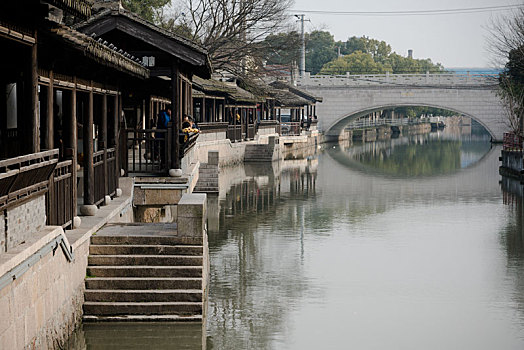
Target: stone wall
{"x":43,"y":306}
{"x":23,"y":220}
{"x":230,"y":153}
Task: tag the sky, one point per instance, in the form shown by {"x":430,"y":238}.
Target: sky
{"x":454,"y":40}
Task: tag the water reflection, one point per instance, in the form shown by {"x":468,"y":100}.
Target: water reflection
{"x":415,"y":155}
{"x":139,"y":335}
{"x":512,"y":235}
{"x":256,"y":265}
{"x":321,"y":254}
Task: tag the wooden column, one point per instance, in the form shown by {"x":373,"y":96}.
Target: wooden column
{"x":35,"y":120}
{"x":49,"y":131}
{"x":73,"y":143}
{"x":204,"y":109}
{"x":89,"y":174}
{"x":175,"y":117}
{"x":103,"y":142}
{"x":215,"y":119}
{"x":116,"y":142}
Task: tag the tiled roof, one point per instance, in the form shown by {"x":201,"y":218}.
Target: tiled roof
{"x":279,"y":84}
{"x":128,"y":14}
{"x":79,"y":8}
{"x":99,"y":51}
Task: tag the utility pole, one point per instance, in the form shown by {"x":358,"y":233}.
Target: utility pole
{"x":302,"y":66}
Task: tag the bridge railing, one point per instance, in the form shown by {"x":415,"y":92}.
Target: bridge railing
{"x":358,"y":124}
{"x":398,"y":79}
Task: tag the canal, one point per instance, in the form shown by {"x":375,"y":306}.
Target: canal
{"x":409,"y":243}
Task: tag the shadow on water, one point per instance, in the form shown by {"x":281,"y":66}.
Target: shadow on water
{"x":137,"y":335}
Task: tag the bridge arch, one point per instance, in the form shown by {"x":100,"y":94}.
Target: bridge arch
{"x":346,"y":97}
{"x":338,"y":125}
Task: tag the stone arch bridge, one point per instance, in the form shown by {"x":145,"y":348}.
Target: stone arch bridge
{"x":347,"y":97}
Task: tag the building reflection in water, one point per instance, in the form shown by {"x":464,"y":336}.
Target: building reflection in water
{"x":255,"y":254}
{"x":512,"y":236}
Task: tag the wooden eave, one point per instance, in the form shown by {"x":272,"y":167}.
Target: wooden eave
{"x":287,"y":99}
{"x":98,"y":52}
{"x":130,"y":24}
{"x":78,"y":8}
{"x":293,"y":89}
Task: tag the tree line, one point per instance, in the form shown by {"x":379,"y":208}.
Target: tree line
{"x":356,"y":55}
{"x":246,"y":37}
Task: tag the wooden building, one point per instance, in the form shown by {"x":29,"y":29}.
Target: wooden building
{"x":172,"y":61}
{"x":60,"y":104}
{"x":300,"y":104}
{"x":225,"y":108}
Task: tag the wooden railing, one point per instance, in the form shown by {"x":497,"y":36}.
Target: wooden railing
{"x":99,"y":181}
{"x":512,"y":142}
{"x":234,"y":133}
{"x":251,"y":131}
{"x":112,"y":175}
{"x":148,"y":150}
{"x":104,"y":174}
{"x":213,"y":127}
{"x":60,"y":204}
{"x":290,"y":128}
{"x":25,"y":177}
{"x":187,"y":142}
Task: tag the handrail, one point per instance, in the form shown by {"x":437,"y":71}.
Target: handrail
{"x":25,"y":176}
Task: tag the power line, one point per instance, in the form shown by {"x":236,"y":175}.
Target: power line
{"x":414,"y":12}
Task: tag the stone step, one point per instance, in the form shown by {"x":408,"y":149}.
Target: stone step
{"x":257,"y":159}
{"x":261,"y":151}
{"x":129,"y":249}
{"x":143,"y":318}
{"x":148,"y":240}
{"x":144,"y":283}
{"x":149,"y":260}
{"x":207,"y":184}
{"x":208,"y":170}
{"x":139,"y":308}
{"x":205,"y":189}
{"x":144,"y":271}
{"x":163,"y":295}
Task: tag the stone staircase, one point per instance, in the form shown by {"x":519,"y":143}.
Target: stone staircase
{"x":207,"y":179}
{"x":258,"y":153}
{"x":144,"y":273}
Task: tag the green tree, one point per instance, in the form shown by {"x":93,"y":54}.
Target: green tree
{"x":379,"y":50}
{"x":147,"y":9}
{"x":320,"y":49}
{"x":356,"y":63}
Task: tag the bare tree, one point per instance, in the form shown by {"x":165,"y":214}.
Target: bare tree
{"x":233,"y":31}
{"x":512,"y":97}
{"x":507,"y":45}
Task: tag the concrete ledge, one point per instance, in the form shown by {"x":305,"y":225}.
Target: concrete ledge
{"x":192,"y":214}
{"x":24,"y":251}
